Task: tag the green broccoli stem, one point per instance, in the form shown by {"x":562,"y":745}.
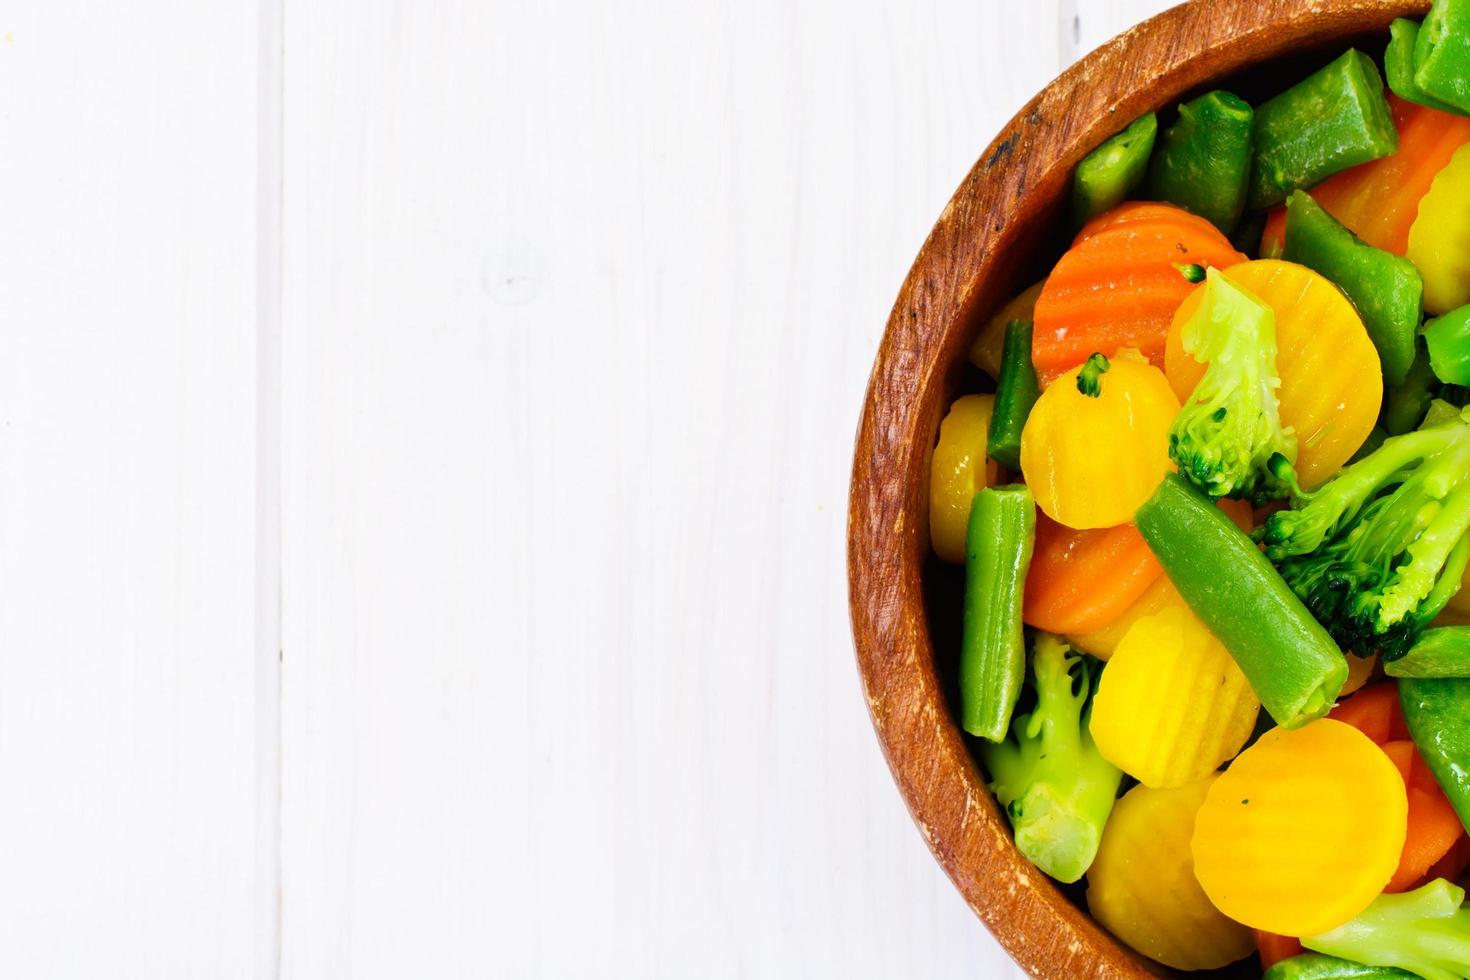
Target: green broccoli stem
{"x":1425,"y":931}
{"x":1057,"y":788}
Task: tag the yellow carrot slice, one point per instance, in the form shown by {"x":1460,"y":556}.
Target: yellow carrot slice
{"x":1142,"y":887}
{"x":1171,"y":705}
{"x":1439,"y":241}
{"x":1103,"y":641}
{"x":985,"y":351}
{"x":1302,"y":831}
{"x":959,"y":470}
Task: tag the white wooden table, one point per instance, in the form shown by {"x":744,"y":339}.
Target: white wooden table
{"x":426,"y":431}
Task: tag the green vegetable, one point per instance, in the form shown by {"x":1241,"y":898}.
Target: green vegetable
{"x":1110,"y":173}
{"x":1016,"y":391}
{"x":1440,"y":652}
{"x":998,"y":544}
{"x":1247,"y":235}
{"x":1405,"y":403}
{"x":1231,"y":425}
{"x":1376,"y":435}
{"x":1425,"y":931}
{"x":1204,"y":160}
{"x":1435,"y":710}
{"x":1448,"y":338}
{"x":1335,"y":119}
{"x":1289,"y":659}
{"x":1439,"y":411}
{"x":1089,"y":379}
{"x":1316,"y":966}
{"x":1056,"y":788}
{"x":1386,"y":289}
{"x":1371,"y":552}
{"x":1398,"y":65}
{"x":1442,"y":53}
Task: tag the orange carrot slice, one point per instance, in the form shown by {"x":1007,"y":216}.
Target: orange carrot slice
{"x":1081,"y":580}
{"x":1433,"y":826}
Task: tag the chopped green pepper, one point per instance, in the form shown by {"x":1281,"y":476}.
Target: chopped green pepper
{"x":1398,"y":65}
{"x":998,"y":544}
{"x":1435,"y":710}
{"x":1204,"y":160}
{"x":1016,"y":390}
{"x":1332,"y":120}
{"x":1448,"y":338}
{"x":1442,"y":53}
{"x":1440,"y":652}
{"x":1108,"y":174}
{"x":1386,"y":289}
{"x":1290,"y":661}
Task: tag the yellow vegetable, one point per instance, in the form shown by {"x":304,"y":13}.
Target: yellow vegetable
{"x":1171,"y":705}
{"x":1360,"y":669}
{"x":959,"y":470}
{"x":985,"y":351}
{"x":1331,"y":378}
{"x":1439,"y":240}
{"x":1302,"y":831}
{"x":1141,"y":885}
{"x":1103,"y":641}
{"x":1092,"y":460}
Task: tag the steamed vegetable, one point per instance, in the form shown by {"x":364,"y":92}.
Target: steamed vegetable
{"x":1379,"y":549}
{"x":1387,"y":290}
{"x":1231,"y":424}
{"x":1332,"y":120}
{"x":1118,"y":285}
{"x":992,"y":651}
{"x":1448,"y":341}
{"x":1015,"y":393}
{"x":1319,"y":966}
{"x":986,"y":348}
{"x":1109,"y":174}
{"x":1142,"y":885}
{"x":1056,"y":788}
{"x":1292,"y":664}
{"x":1398,"y":65}
{"x":1442,"y":53}
{"x":1302,"y":831}
{"x":1082,"y":580}
{"x":958,"y":470}
{"x":1096,"y":444}
{"x":1331,"y":380}
{"x":1440,"y":652}
{"x":1405,"y":404}
{"x":1203,"y":161}
{"x":1425,"y":931}
{"x":1432,"y":826}
{"x":1435,"y":712}
{"x":1439,"y":241}
{"x":1172,"y":704}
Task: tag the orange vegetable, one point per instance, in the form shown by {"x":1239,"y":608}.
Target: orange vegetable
{"x":1302,"y":831}
{"x":1360,"y":672}
{"x":1119,"y":285}
{"x":1433,"y":826}
{"x":1453,"y":864}
{"x":1274,"y":948}
{"x":1081,"y":580}
{"x":1375,"y":711}
{"x":1092,"y":459}
{"x":1331,"y":378}
{"x":1380,"y":199}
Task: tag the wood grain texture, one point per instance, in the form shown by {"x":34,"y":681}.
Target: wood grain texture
{"x":985,"y":237}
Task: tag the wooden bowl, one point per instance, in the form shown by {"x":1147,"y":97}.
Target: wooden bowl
{"x":999,"y":227}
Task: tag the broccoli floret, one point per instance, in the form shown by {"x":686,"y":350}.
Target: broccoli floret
{"x":1230,"y":428}
{"x":1425,"y":931}
{"x":1379,"y":549}
{"x":1057,"y":789}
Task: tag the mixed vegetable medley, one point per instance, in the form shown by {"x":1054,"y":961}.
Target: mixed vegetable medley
{"x":1213,"y":519}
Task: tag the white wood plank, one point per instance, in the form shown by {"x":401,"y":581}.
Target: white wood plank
{"x":127,"y":489}
{"x":1095,"y":21}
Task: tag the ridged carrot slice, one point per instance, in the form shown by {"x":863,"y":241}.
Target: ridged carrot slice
{"x":1119,"y":285}
{"x":1433,"y":827}
{"x":1172,"y":704}
{"x":1379,"y":200}
{"x":1439,"y":242}
{"x":1302,"y":831}
{"x":1081,"y":580}
{"x":1331,"y":377}
{"x":1141,"y":885}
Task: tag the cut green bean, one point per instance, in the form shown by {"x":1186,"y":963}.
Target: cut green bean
{"x":1442,"y":54}
{"x":1290,"y":661}
{"x":1110,"y":173}
{"x":998,"y":545}
{"x":1016,"y":391}
{"x":1435,"y":710}
{"x":1448,"y":338}
{"x":1332,"y":120}
{"x":1440,"y":652}
{"x":1386,"y":289}
{"x":1320,"y":966}
{"x":1203,"y":161}
{"x":1398,"y":65}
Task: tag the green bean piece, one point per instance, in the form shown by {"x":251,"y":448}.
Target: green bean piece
{"x":1440,"y":652}
{"x":998,"y":545}
{"x":1320,"y":966}
{"x":1296,"y":669}
{"x":1435,"y":710}
{"x":1386,"y":289}
{"x":1203,"y":161}
{"x":1330,"y":121}
{"x":1114,"y":170}
{"x":1398,"y":66}
{"x":1016,"y":390}
{"x":1448,"y":338}
{"x":1442,"y":54}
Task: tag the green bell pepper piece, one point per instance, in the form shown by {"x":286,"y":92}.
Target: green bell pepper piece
{"x":1016,"y":390}
{"x":1448,"y":338}
{"x":1442,"y":53}
{"x":1108,"y":174}
{"x":1335,"y":119}
{"x":1435,"y":710}
{"x":1440,"y":652}
{"x":1386,"y":289}
{"x":1398,"y":65}
{"x":1204,"y":160}
{"x":998,"y":543}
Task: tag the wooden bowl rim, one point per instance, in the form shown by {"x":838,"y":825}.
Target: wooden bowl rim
{"x":953,"y":278}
